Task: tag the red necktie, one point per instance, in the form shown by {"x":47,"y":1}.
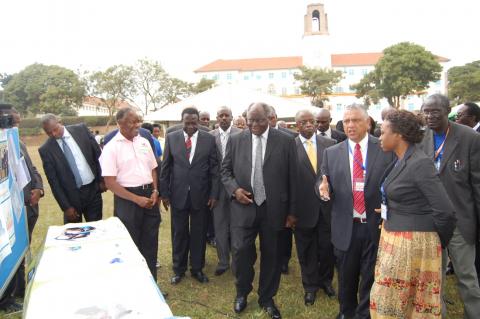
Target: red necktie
{"x":188,"y":145}
{"x":358,"y":196}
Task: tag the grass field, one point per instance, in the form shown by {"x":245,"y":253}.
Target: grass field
{"x":214,"y":299}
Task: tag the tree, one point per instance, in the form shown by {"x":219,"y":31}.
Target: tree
{"x":464,"y":82}
{"x":149,"y":79}
{"x":317,"y":83}
{"x":202,"y":85}
{"x":405,"y":69}
{"x":174,"y":89}
{"x":113,"y":85}
{"x":43,"y":88}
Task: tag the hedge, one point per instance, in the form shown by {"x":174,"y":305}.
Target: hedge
{"x":34,"y":123}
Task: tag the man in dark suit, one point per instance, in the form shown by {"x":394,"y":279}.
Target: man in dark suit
{"x":455,"y":150}
{"x":324,"y":119}
{"x":221,"y":211}
{"x":352,"y":172}
{"x":259,"y":172}
{"x":285,"y":245}
{"x":70,"y":161}
{"x":312,"y":231}
{"x":189,"y":183}
{"x":178,"y":127}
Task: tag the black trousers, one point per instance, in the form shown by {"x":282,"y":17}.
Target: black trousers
{"x":244,"y":255}
{"x":189,"y":228}
{"x":315,"y":255}
{"x":477,"y":260}
{"x":355,"y":263}
{"x":285,"y":247}
{"x":210,"y":225}
{"x":91,"y":204}
{"x":142,"y":225}
{"x":32,"y":217}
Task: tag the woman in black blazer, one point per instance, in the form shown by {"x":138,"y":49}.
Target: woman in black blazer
{"x":418,"y":220}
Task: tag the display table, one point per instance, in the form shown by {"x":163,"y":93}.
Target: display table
{"x":93,"y":270}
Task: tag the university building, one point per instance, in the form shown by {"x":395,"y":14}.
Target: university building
{"x":275,"y":75}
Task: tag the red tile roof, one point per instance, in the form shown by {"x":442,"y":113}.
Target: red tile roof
{"x":293,"y":62}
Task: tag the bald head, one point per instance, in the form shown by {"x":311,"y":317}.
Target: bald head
{"x":323,"y":119}
{"x":257,"y":118}
{"x":204,"y":118}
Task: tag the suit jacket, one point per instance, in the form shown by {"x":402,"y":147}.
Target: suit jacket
{"x":336,"y":165}
{"x":179,"y":177}
{"x":177,"y":127}
{"x":222,"y":194}
{"x":279,"y":177}
{"x":308,"y":203}
{"x":58,"y":172}
{"x":460,"y":174}
{"x":141,"y":131}
{"x":35,"y":183}
{"x":338,"y":135}
{"x":288,"y":131}
{"x":416,"y":198}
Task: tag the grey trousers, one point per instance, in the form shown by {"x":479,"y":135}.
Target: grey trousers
{"x":221,"y":222}
{"x":462,"y":256}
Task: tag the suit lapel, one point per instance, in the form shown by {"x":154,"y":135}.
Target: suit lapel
{"x":57,"y":152}
{"x":247,"y":142}
{"x":372,"y":153}
{"x":320,"y":148}
{"x":180,"y":140}
{"x":393,"y":171}
{"x":217,"y":139}
{"x":270,"y":143}
{"x":428,"y":146}
{"x":198,"y":147}
{"x":345,"y":162}
{"x":304,"y":156}
{"x":451,"y":144}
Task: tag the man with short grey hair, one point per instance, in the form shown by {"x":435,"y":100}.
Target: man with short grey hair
{"x":455,"y":150}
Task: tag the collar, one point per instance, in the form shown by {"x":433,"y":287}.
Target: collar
{"x":221,"y":131}
{"x":66,"y":133}
{"x":264,"y":135}
{"x":476,"y":126}
{"x":193,"y":136}
{"x":363,"y":144}
{"x":312,"y":139}
{"x":120,"y":137}
{"x":327,"y":132}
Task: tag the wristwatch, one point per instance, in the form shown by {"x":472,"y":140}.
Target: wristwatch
{"x":156,"y":191}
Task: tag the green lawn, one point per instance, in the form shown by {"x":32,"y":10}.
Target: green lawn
{"x":215,"y":299}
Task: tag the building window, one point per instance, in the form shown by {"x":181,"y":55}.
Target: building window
{"x":271,"y":89}
{"x":229,"y":76}
{"x":364,"y":71}
{"x":339,"y":107}
{"x":246,"y":77}
{"x":351,"y":71}
{"x":284,"y":75}
{"x":204,"y":76}
{"x":338,"y":89}
{"x":258,"y":77}
{"x":215,"y":77}
{"x":284,"y":91}
{"x":271,"y":75}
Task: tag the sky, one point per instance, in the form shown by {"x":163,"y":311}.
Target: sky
{"x":184,"y":35}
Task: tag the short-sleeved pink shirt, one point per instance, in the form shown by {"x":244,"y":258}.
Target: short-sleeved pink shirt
{"x":131,"y":162}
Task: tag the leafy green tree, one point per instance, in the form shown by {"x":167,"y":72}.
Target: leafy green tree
{"x":115,"y":84}
{"x":464,"y":82}
{"x":149,"y":79}
{"x":202,"y":85}
{"x":317,"y":83}
{"x":43,"y":88}
{"x":405,"y":69}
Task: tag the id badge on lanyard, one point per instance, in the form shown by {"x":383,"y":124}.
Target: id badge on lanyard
{"x":359,"y":183}
{"x":383,"y":206}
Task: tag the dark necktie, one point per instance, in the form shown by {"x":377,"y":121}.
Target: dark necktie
{"x":358,"y":196}
{"x":71,"y":162}
{"x":188,"y":145}
{"x":323,"y":134}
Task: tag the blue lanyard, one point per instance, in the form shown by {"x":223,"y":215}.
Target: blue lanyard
{"x":364,"y":167}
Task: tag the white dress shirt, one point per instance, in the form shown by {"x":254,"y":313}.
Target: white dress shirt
{"x":194,"y":144}
{"x":264,"y":138}
{"x":363,"y":148}
{"x":224,"y":136}
{"x":328,"y":133}
{"x":304,"y":142}
{"x":476,"y":126}
{"x":83,"y":168}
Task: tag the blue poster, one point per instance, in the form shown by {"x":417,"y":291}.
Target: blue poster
{"x":13,"y":223}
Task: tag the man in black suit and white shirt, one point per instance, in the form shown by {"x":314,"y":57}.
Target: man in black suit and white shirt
{"x":259,"y":171}
{"x":221,"y":211}
{"x":189,"y":183}
{"x":312,"y":231}
{"x":469,"y":114}
{"x":351,"y":176}
{"x":70,"y":161}
{"x":324,"y":119}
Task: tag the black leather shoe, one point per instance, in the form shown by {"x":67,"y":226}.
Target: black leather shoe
{"x":220,"y":271}
{"x":284,"y":269}
{"x":329,"y":291}
{"x":272,"y":311}
{"x":239,"y":304}
{"x":310,"y":298}
{"x":176,"y":279}
{"x":200,"y":277}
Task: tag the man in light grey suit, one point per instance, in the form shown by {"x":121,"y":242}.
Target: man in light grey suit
{"x":221,"y":211}
{"x":259,"y":172}
{"x":455,"y":150}
{"x":353,"y":169}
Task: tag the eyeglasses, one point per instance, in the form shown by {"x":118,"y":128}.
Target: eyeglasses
{"x":305,"y":122}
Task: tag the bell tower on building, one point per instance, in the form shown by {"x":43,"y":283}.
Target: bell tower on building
{"x":316,"y":38}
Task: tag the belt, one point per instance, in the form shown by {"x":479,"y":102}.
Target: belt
{"x":141,"y":187}
{"x":359,"y":220}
